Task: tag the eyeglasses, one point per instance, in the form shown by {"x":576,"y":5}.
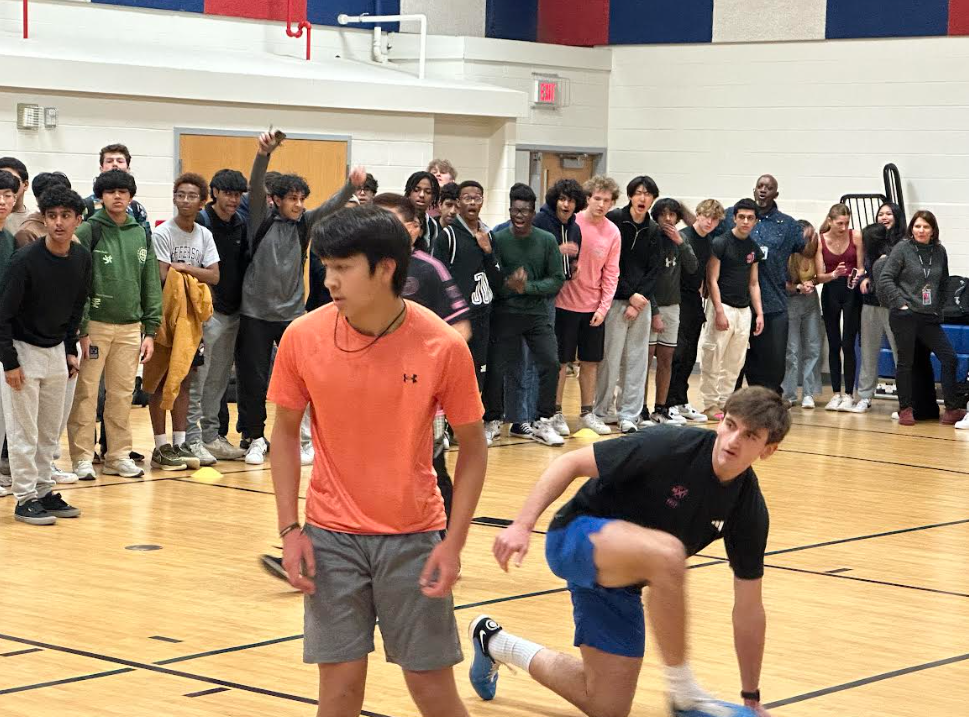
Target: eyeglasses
{"x":472,"y":198}
{"x":522,"y":212}
{"x":183,"y":197}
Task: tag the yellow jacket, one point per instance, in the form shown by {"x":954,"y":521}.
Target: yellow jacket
{"x":186,"y":305}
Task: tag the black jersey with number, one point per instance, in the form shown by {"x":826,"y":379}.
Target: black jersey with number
{"x":663,"y":479}
{"x":475,"y":272}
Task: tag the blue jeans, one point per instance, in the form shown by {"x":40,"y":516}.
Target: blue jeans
{"x":803,"y":346}
{"x":521,"y":383}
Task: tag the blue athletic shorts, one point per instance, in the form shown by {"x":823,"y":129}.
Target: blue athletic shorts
{"x":608,"y":619}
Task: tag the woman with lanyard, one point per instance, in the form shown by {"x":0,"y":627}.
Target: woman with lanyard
{"x":839,"y":267}
{"x":422,"y":189}
{"x":912,"y":284}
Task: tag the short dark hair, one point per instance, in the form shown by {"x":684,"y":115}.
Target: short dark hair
{"x":759,"y":407}
{"x":16,"y":165}
{"x":368,"y":230}
{"x":926,"y":216}
{"x":449,"y":191}
{"x":370,"y":183}
{"x":196,"y":180}
{"x":393,"y":201}
{"x":666,"y":204}
{"x":745,"y":203}
{"x":415,"y":179}
{"x":114,"y":179}
{"x":269,"y":178}
{"x":60,"y":195}
{"x":48,"y":179}
{"x":644,"y":181}
{"x":10,"y":182}
{"x":115,"y":149}
{"x":229,"y":180}
{"x":569,"y":188}
{"x":522,"y":193}
{"x":874,"y":238}
{"x":469,"y":183}
{"x":286,"y":183}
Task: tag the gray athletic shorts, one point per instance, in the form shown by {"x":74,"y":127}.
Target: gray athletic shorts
{"x":671,"y":327}
{"x":360,"y":578}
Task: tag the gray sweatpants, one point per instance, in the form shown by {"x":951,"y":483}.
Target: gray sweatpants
{"x":212,"y":377}
{"x":33,"y":418}
{"x":623,"y":365}
{"x":874,"y":325}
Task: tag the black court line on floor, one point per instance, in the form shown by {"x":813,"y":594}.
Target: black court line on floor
{"x":15,"y":653}
{"x":65,"y":681}
{"x":873,"y":460}
{"x":870,"y":581}
{"x":884,"y":433}
{"x":865,"y":681}
{"x":189,"y":481}
{"x":128,"y":481}
{"x":203,"y":693}
{"x":488,"y":522}
{"x":839,"y":541}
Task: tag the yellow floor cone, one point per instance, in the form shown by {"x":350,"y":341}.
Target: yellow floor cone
{"x":207,"y":475}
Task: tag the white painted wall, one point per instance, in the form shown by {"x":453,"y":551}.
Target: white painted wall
{"x":823,"y":117}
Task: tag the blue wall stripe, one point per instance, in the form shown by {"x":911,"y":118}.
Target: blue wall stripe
{"x":174,"y":5}
{"x":635,"y":22}
{"x":324,"y":12}
{"x":886,"y":18}
{"x":512,"y":19}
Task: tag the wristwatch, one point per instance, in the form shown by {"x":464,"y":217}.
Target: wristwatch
{"x":754,"y":696}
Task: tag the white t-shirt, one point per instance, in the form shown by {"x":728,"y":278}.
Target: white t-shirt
{"x":174,"y":246}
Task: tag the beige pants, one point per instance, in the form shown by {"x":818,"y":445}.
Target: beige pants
{"x":115,"y":351}
{"x":722,"y":354}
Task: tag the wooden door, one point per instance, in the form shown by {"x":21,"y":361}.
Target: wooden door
{"x":553,"y":171}
{"x":322,"y":163}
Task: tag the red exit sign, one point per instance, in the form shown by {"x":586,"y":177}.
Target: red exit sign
{"x":547,"y":92}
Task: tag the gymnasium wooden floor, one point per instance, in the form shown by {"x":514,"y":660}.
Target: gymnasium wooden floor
{"x":867,"y":590}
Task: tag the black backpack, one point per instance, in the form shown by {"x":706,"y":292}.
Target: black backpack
{"x":956,"y":300}
{"x":96,"y":237}
{"x":302,"y":229}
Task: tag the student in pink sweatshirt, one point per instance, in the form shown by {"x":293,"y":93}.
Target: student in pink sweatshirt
{"x":582,"y":304}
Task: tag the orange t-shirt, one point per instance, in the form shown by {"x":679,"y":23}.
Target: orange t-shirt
{"x":373,"y":414}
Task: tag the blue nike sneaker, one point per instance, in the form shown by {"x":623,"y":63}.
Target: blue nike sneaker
{"x":484,"y":670}
{"x":714,"y":708}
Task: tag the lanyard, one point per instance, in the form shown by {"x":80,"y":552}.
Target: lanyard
{"x":925,"y":271}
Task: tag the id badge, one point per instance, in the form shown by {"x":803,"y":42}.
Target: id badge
{"x":926,"y":295}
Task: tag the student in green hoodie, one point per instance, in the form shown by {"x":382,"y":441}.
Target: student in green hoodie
{"x":118,"y":328}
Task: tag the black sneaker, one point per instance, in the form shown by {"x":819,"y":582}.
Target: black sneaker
{"x":136,"y":457}
{"x":33,"y":512}
{"x":483,"y":672}
{"x":274,"y":566}
{"x":56,"y":506}
{"x":522,"y":430}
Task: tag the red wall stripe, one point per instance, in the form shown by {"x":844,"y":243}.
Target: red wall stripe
{"x":256,"y":9}
{"x":959,"y":17}
{"x":573,"y":22}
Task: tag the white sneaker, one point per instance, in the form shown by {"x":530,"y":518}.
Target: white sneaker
{"x":307,"y":454}
{"x":492,"y":431}
{"x":846,"y":404}
{"x":84,"y":470}
{"x":6,"y":488}
{"x":256,"y":455}
{"x":894,"y":415}
{"x":60,"y":476}
{"x":125,"y":468}
{"x":594,"y":423}
{"x":689,"y":413}
{"x":644,"y":423}
{"x":863,"y":406}
{"x":543,"y":432}
{"x":199,"y":450}
{"x":834,"y":403}
{"x":560,"y":425}
{"x":808,"y":402}
{"x":627,"y":426}
{"x":222,"y":450}
{"x":964,"y":423}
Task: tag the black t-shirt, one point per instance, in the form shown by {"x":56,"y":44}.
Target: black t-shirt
{"x":690,"y":283}
{"x":42,"y":299}
{"x":663,"y":479}
{"x":430,"y":285}
{"x":736,"y":256}
{"x":231,"y":242}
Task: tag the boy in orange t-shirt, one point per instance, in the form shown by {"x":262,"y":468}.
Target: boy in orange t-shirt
{"x":373,"y":511}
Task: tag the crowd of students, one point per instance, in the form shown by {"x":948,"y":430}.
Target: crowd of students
{"x":575,"y":279}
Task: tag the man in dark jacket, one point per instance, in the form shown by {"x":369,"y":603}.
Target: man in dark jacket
{"x":629,"y":319}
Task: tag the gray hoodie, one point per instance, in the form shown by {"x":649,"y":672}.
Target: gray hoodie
{"x":903,"y":277}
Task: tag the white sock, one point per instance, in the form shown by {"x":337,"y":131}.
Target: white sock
{"x":684,"y":690}
{"x":512,"y":650}
{"x":161,"y":440}
{"x":178,"y":438}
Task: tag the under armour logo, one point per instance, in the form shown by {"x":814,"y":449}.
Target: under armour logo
{"x":410,"y":377}
{"x":670,"y":261}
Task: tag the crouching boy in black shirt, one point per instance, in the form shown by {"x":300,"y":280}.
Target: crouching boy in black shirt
{"x":655,"y":498}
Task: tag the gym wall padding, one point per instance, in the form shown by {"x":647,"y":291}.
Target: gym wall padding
{"x":647,"y":22}
{"x":886,"y":18}
{"x":512,"y":20}
{"x":581,"y":23}
{"x":959,"y":17}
